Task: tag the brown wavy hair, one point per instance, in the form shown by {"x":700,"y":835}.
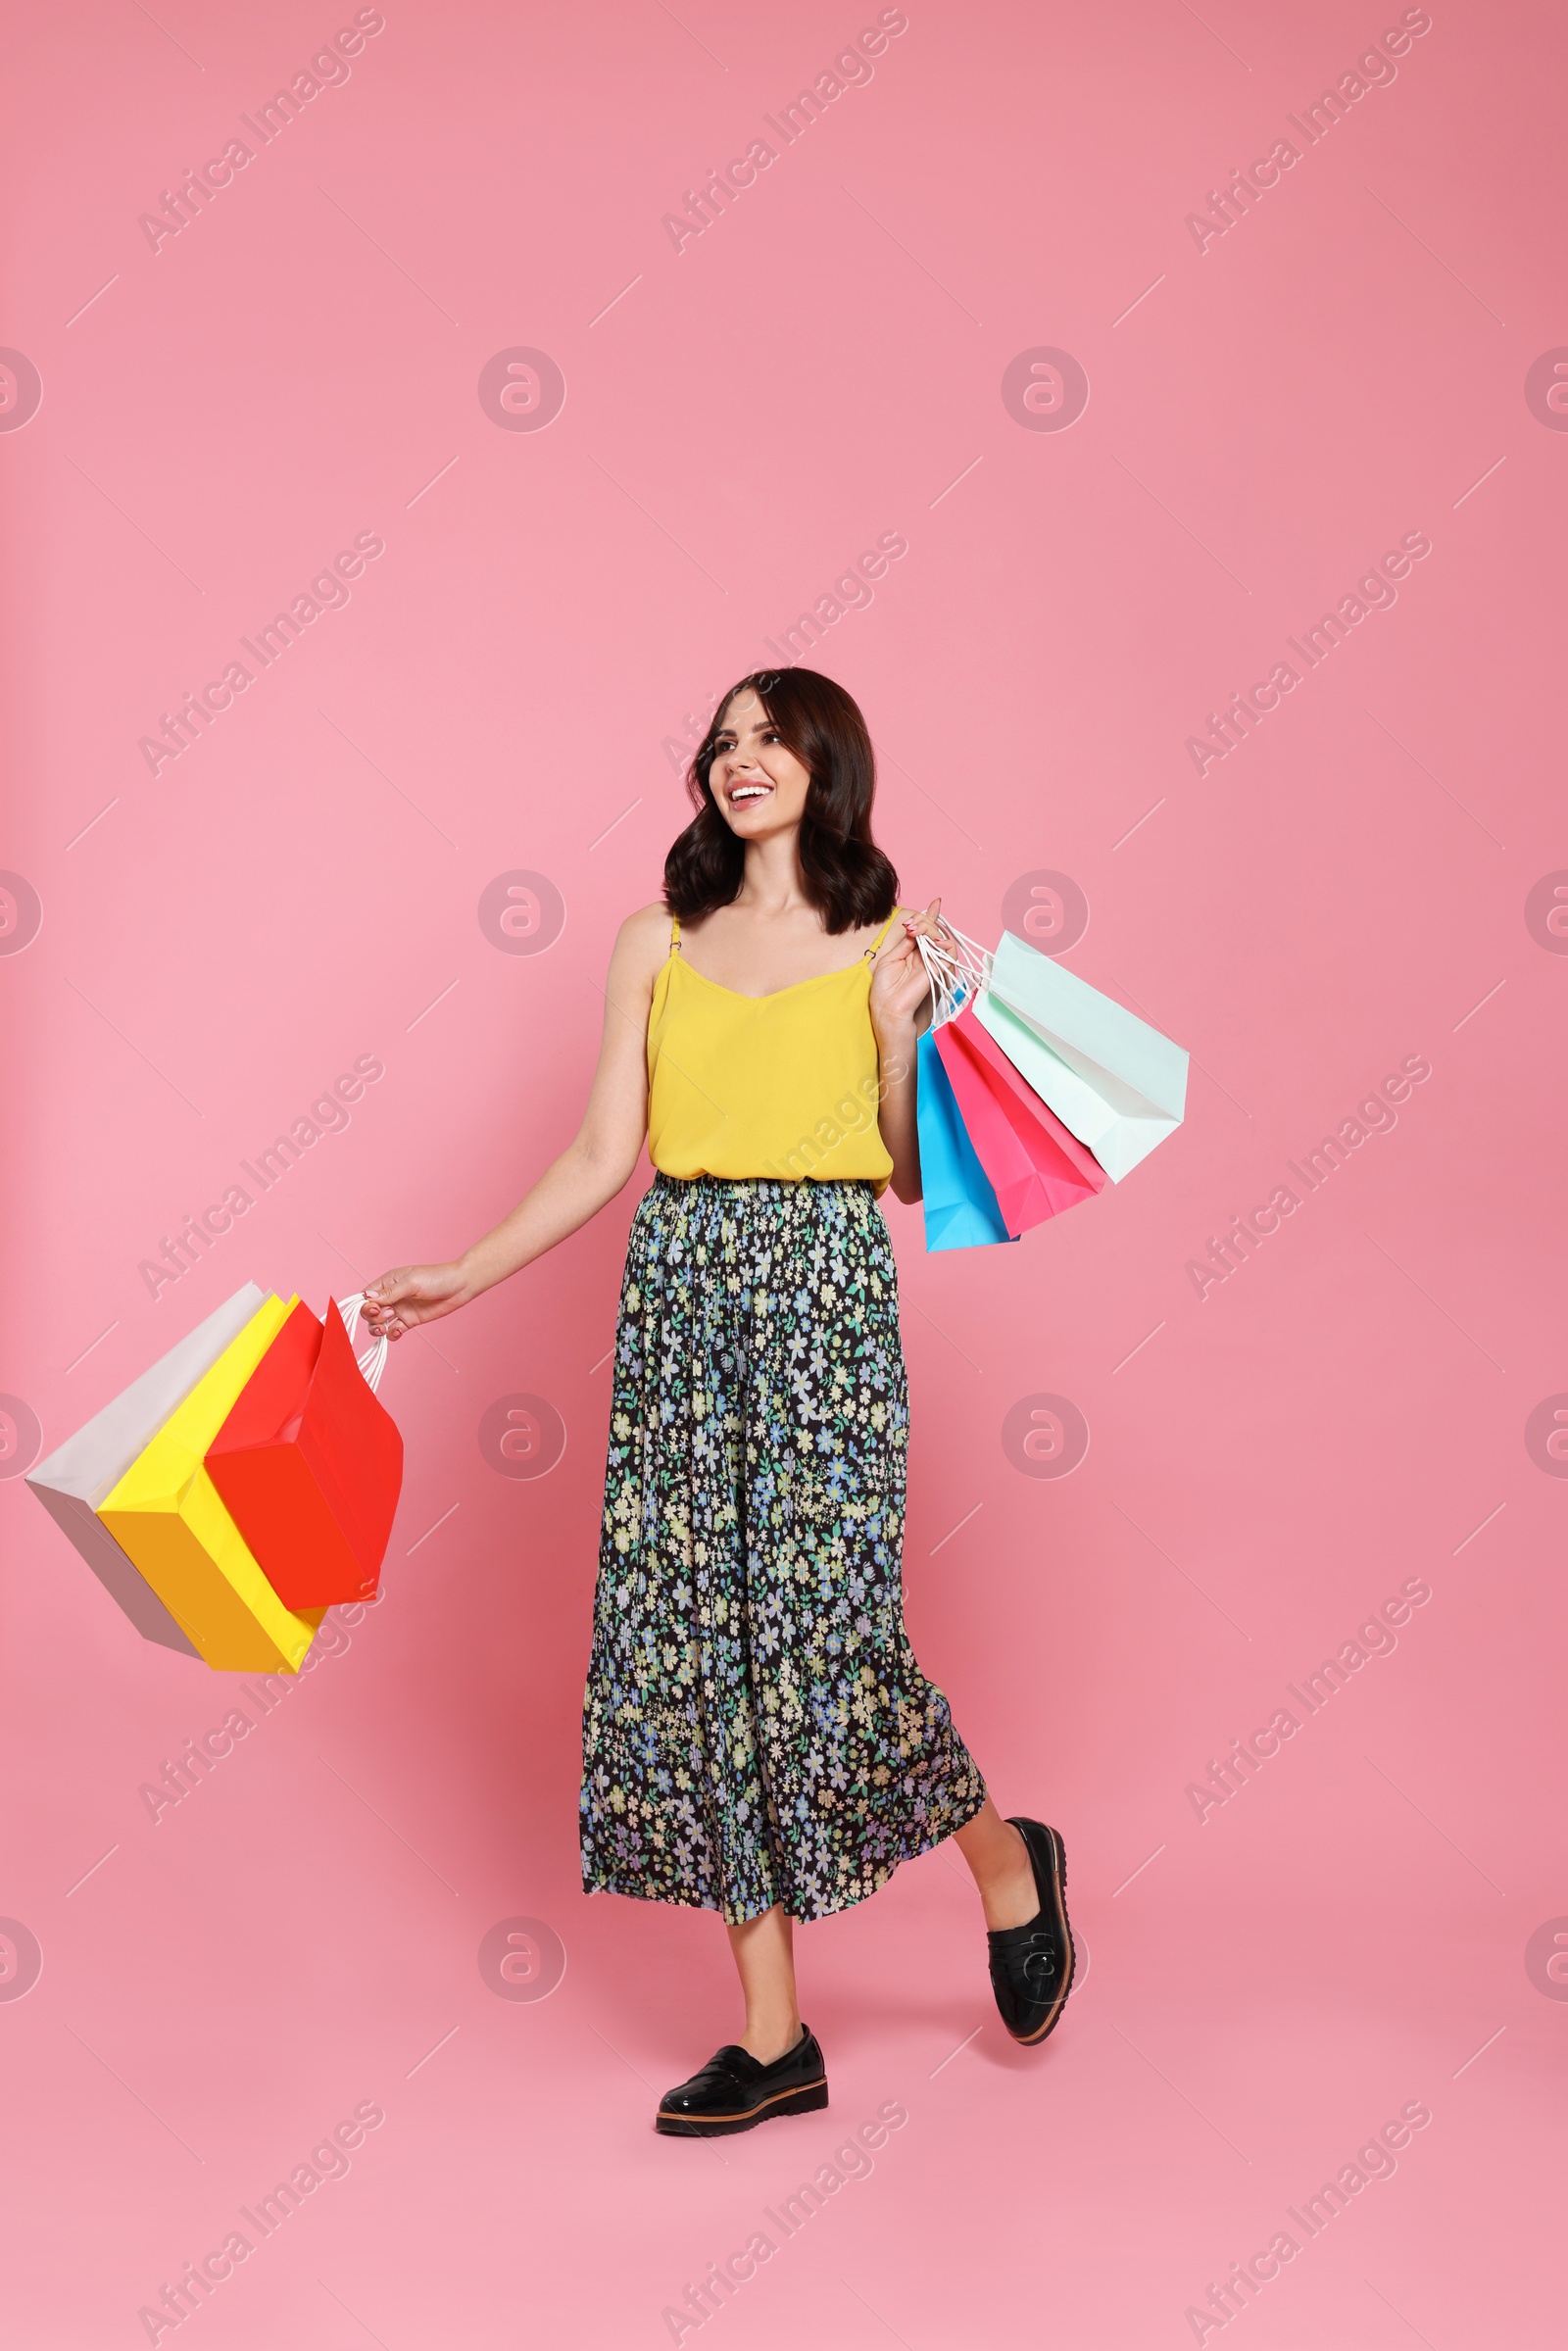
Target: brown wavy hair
{"x":845,"y":875}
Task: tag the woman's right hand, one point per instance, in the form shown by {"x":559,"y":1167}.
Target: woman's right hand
{"x":400,"y":1302}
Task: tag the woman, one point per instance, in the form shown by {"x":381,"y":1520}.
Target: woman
{"x":757,"y":1737}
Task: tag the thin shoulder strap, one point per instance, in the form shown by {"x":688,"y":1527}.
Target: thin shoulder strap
{"x":674,"y":934}
{"x":876,"y":944}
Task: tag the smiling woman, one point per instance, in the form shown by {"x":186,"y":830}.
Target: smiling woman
{"x":759,"y":1738}
{"x":774,"y":1081}
{"x":798,"y":761}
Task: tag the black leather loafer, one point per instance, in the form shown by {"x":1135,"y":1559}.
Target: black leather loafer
{"x":733,"y":2092}
{"x":1032,"y":1965}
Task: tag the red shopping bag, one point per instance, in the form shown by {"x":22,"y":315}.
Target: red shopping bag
{"x":1036,"y":1167}
{"x":310,"y":1465}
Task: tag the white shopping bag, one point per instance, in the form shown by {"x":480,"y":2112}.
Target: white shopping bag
{"x":1117,"y":1084}
{"x":82,"y":1471}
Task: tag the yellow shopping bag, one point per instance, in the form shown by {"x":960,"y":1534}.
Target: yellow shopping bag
{"x":168,"y":1516}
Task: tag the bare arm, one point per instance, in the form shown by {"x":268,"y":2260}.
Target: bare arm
{"x":901,"y":1009}
{"x":589,"y":1172}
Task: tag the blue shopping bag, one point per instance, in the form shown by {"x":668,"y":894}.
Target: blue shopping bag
{"x":961,"y":1206}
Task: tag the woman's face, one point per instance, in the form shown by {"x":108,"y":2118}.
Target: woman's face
{"x":759,"y":785}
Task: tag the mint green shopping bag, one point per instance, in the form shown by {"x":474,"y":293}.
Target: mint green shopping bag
{"x":1113,"y":1081}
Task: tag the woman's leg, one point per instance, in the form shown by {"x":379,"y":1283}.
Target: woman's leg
{"x":777,"y":2067}
{"x":1002,"y":1871}
{"x":765,"y":1958}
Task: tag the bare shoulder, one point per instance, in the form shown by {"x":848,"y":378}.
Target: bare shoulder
{"x":649,"y":926}
{"x":642,"y":943}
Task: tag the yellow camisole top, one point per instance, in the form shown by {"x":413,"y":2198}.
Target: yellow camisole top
{"x":786,"y":1085}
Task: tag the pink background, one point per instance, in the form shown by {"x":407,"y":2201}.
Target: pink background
{"x":742,"y":419}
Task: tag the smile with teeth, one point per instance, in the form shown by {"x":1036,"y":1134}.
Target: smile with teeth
{"x":748,"y":790}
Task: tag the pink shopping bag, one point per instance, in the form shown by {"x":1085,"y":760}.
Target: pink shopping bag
{"x":1036,"y":1167}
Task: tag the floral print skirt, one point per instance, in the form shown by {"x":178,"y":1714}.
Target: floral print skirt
{"x":756,"y":1729}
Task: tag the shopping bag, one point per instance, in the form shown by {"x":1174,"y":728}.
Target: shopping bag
{"x":310,"y":1465}
{"x":170,"y":1517}
{"x":1036,"y":1167}
{"x":961,"y":1206}
{"x":80,"y":1472}
{"x":1116,"y":1083}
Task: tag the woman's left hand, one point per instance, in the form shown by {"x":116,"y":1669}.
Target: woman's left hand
{"x":898,"y":984}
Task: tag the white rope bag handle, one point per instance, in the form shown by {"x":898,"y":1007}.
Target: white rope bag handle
{"x":955,"y":973}
{"x":373,"y":1361}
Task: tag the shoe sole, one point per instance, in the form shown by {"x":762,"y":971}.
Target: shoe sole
{"x":1028,"y":2040}
{"x":783,"y":2101}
